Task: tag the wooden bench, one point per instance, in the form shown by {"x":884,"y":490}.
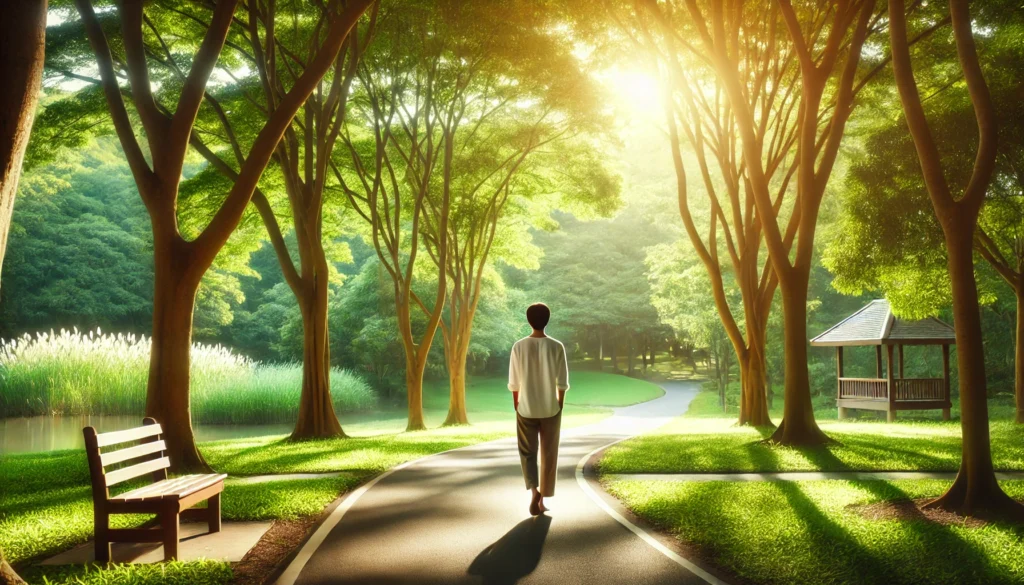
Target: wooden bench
{"x":168,"y":499}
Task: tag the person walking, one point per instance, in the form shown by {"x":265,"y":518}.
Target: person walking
{"x":538,"y":376}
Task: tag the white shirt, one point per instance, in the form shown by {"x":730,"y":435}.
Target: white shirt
{"x":538,"y":370}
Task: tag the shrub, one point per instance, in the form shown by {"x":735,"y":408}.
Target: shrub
{"x":72,"y":373}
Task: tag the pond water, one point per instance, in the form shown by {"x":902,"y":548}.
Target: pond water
{"x":50,"y":433}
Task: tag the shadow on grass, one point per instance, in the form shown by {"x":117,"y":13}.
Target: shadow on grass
{"x":950,"y":557}
{"x":934,"y":553}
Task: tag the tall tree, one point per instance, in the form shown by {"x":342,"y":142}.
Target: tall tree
{"x":975,"y":489}
{"x":827,"y":39}
{"x":491,"y":213}
{"x":22,"y":46}
{"x":400,"y":135}
{"x":890,"y":239}
{"x":455,"y":97}
{"x":304,"y":165}
{"x":520,"y":149}
{"x":179,"y":264}
{"x":706,"y":120}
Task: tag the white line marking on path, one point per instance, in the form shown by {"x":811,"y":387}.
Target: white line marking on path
{"x":291,"y":573}
{"x":643,"y":534}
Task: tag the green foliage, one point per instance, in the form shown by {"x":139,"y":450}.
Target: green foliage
{"x":95,"y":373}
{"x":79,"y":247}
{"x":594,"y":279}
{"x":80,"y":251}
{"x":886,"y":237}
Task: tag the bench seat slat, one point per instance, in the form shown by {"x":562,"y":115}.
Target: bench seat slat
{"x":126,"y":435}
{"x":133,"y":471}
{"x":132,"y":452}
{"x":177,"y":487}
{"x":161,"y":488}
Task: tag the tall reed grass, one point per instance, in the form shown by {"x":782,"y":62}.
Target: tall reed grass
{"x":72,"y":373}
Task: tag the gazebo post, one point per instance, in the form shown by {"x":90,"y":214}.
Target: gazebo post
{"x":878,"y":361}
{"x":890,"y":415}
{"x":900,"y":346}
{"x":839,"y":379}
{"x":945,"y":379}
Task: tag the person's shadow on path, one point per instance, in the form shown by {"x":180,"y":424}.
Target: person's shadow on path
{"x":514,"y":555}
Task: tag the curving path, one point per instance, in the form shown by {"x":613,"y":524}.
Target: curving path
{"x":460,"y":517}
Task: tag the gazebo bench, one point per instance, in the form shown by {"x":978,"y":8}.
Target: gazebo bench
{"x":168,"y":498}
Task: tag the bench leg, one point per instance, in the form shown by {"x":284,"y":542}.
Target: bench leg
{"x":213,"y":513}
{"x":945,"y":414}
{"x":101,"y":526}
{"x":843,"y":413}
{"x":169,"y":526}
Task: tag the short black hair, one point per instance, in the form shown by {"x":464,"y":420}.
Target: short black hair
{"x":538,"y":314}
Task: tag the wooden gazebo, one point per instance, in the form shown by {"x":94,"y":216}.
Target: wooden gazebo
{"x":876,"y":325}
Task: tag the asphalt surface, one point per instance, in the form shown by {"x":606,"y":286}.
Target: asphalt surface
{"x":461,"y":517}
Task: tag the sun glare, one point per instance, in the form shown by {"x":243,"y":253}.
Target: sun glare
{"x":636,"y":92}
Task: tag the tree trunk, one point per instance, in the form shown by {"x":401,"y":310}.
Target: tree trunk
{"x":457,"y":388}
{"x":1018,"y":360}
{"x":615,"y":355}
{"x":631,"y":357}
{"x":725,"y":379}
{"x":415,"y":364}
{"x":753,"y":395}
{"x":975,"y":489}
{"x":600,"y":349}
{"x":798,"y":426}
{"x":7,"y":574}
{"x":414,"y":394}
{"x":717,"y":373}
{"x":22,"y":43}
{"x":167,"y":395}
{"x":317,"y":418}
{"x":643,"y":353}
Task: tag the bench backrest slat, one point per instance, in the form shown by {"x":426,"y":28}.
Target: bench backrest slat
{"x":126,"y":435}
{"x":133,"y":471}
{"x":132,"y":452}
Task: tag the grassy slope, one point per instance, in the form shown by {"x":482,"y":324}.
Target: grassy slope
{"x":703,"y":441}
{"x":803,"y":532}
{"x":47,"y":506}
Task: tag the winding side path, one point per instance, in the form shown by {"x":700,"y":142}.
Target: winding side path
{"x":460,"y":517}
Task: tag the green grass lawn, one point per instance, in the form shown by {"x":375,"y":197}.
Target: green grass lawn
{"x":792,"y":533}
{"x":173,"y":573}
{"x":805,"y":532}
{"x":703,"y":441}
{"x":46,"y":505}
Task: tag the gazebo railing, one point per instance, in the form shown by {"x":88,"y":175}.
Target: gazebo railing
{"x":920,"y":389}
{"x":907,"y":389}
{"x":864,"y":388}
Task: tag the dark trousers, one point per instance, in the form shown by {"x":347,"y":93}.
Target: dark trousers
{"x":539,"y":435}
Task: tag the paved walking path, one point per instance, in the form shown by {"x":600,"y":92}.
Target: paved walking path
{"x":805,"y":476}
{"x":461,"y":517}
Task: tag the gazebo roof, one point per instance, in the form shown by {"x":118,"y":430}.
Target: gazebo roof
{"x":875,"y":324}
